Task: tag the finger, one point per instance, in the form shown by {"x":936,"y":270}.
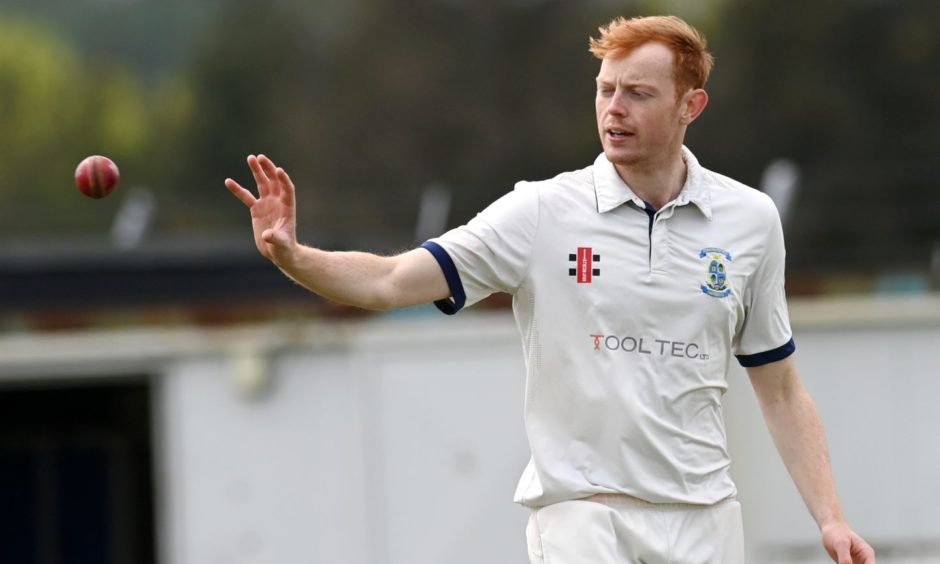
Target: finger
{"x":245,"y":196}
{"x":267,"y":165}
{"x":839,"y":551}
{"x":864,"y":554}
{"x":260,"y":178}
{"x":270,"y":172}
{"x":287,"y":187}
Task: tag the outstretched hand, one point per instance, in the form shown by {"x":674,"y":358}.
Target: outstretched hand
{"x":846,"y":547}
{"x":273,"y":212}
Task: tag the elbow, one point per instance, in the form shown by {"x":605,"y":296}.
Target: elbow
{"x":379,"y":305}
{"x":383,"y":297}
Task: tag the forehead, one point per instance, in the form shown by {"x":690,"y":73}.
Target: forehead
{"x":648,"y":63}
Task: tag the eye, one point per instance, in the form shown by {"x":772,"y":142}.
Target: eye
{"x":639,"y":94}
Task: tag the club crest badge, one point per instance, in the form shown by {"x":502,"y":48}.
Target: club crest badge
{"x":716,"y":273}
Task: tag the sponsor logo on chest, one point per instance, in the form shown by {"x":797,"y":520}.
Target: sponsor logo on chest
{"x":647,"y":345}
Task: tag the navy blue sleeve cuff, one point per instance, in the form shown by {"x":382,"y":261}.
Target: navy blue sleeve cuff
{"x":451,"y":275}
{"x":760,"y":359}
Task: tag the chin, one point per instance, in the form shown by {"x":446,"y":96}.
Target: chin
{"x":620,"y":157}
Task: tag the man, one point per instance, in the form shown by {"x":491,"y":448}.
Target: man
{"x":634,"y":280}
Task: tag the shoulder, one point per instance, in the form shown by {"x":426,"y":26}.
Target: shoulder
{"x":729,"y":195}
{"x":570,"y":184}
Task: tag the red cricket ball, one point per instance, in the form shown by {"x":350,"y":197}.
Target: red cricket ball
{"x":97,"y":176}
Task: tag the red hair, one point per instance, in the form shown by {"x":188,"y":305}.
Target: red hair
{"x":692,"y":63}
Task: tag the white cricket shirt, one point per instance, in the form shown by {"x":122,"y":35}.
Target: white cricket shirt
{"x":629,"y":319}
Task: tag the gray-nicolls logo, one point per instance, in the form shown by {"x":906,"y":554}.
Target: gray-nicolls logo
{"x":585,"y":261}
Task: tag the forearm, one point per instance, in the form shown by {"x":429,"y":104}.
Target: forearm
{"x":795,"y":426}
{"x":365,"y":280}
{"x":352,"y":278}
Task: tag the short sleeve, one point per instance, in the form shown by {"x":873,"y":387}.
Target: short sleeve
{"x":490,"y":253}
{"x":765,"y":335}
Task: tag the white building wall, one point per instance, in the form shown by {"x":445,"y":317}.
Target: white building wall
{"x":394,"y":441}
{"x":273,"y":479}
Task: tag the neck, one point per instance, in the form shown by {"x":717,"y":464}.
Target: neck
{"x":657,"y":183}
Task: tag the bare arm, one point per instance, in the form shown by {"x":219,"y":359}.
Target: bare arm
{"x":360,"y":279}
{"x":366,"y":280}
{"x":797,"y":431}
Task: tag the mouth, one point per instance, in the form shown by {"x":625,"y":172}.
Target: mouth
{"x":618,"y":133}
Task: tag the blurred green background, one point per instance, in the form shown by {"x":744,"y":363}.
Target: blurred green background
{"x":367,"y":103}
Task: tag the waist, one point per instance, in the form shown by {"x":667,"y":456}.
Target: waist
{"x":626,"y":500}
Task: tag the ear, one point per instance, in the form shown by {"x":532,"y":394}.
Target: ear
{"x":693,"y":103}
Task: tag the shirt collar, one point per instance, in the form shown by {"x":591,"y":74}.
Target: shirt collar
{"x":612,"y":192}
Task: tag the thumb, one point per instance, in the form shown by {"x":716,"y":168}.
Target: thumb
{"x":268,"y":236}
{"x":276,"y":237}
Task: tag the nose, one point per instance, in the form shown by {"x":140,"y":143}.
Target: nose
{"x":616,"y":106}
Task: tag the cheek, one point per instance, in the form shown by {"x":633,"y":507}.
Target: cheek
{"x":656,"y":121}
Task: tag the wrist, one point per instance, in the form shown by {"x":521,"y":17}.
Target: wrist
{"x":287,"y":257}
{"x":830,"y":520}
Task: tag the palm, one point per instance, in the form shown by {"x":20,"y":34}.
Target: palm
{"x":844,"y":546}
{"x":272,"y":221}
{"x":273,"y":213}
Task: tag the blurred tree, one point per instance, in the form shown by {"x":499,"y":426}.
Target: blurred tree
{"x":472,"y":96}
{"x":152,"y":38}
{"x":56,"y":108}
{"x":826,"y":81}
{"x":368,"y":102}
{"x":256,"y":81}
{"x":476,"y":97}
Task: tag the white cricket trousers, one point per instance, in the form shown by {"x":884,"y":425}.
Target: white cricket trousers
{"x":619,"y":529}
